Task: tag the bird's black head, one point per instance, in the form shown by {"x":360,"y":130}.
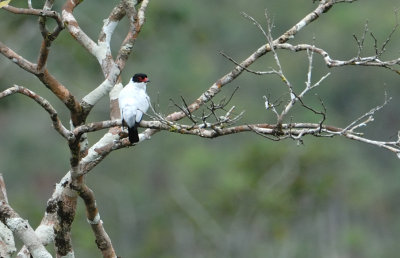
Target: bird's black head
{"x":140,"y":77}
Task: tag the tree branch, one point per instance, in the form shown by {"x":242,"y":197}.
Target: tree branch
{"x":359,"y":61}
{"x":36,"y":12}
{"x":103,"y":241}
{"x":17,"y":59}
{"x":7,"y":244}
{"x":136,"y":20}
{"x":57,"y":124}
{"x":47,"y":79}
{"x":229,"y":77}
{"x":107,"y":145}
{"x":48,"y":37}
{"x":60,"y":211}
{"x":74,"y":29}
{"x":59,"y":214}
{"x":19,"y":226}
{"x":102,"y":90}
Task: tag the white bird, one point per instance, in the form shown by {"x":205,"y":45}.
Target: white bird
{"x":133,"y":103}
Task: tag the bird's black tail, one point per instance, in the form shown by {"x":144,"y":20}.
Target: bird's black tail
{"x":133,"y":134}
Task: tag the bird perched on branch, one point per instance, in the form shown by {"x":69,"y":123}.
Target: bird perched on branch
{"x":133,"y":103}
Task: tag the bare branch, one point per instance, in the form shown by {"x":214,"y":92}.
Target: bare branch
{"x":74,"y":29}
{"x":3,"y":190}
{"x":62,"y":205}
{"x":360,"y":42}
{"x":255,"y":22}
{"x":110,"y":24}
{"x":103,"y":241}
{"x":102,"y":90}
{"x":360,"y":61}
{"x":96,"y":126}
{"x":391,"y":146}
{"x":245,"y":68}
{"x":17,"y":59}
{"x":273,"y":137}
{"x":46,"y":78}
{"x":185,"y":109}
{"x":270,"y":105}
{"x":396,"y":26}
{"x":36,"y":12}
{"x":19,"y":226}
{"x":57,"y":124}
{"x":355,"y":124}
{"x":48,"y":37}
{"x":216,"y":119}
{"x":229,"y":77}
{"x":98,"y":151}
{"x":136,"y":21}
{"x":59,"y":214}
{"x":23,"y":230}
{"x":292,"y":130}
{"x":7,"y":244}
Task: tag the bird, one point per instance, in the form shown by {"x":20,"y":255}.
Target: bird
{"x":133,"y":103}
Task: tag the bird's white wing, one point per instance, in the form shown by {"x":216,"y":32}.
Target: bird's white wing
{"x":129,"y":115}
{"x":139,"y":115}
{"x":143,"y":104}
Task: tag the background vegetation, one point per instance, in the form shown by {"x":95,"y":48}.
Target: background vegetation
{"x":235,"y":196}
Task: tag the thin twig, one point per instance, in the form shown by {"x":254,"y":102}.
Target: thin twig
{"x":368,"y":114}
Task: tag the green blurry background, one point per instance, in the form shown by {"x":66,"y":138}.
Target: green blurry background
{"x":234,"y":196}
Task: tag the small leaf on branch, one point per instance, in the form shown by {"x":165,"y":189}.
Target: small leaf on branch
{"x":4,"y":3}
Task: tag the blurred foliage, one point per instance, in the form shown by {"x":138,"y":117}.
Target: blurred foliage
{"x":236,"y":196}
